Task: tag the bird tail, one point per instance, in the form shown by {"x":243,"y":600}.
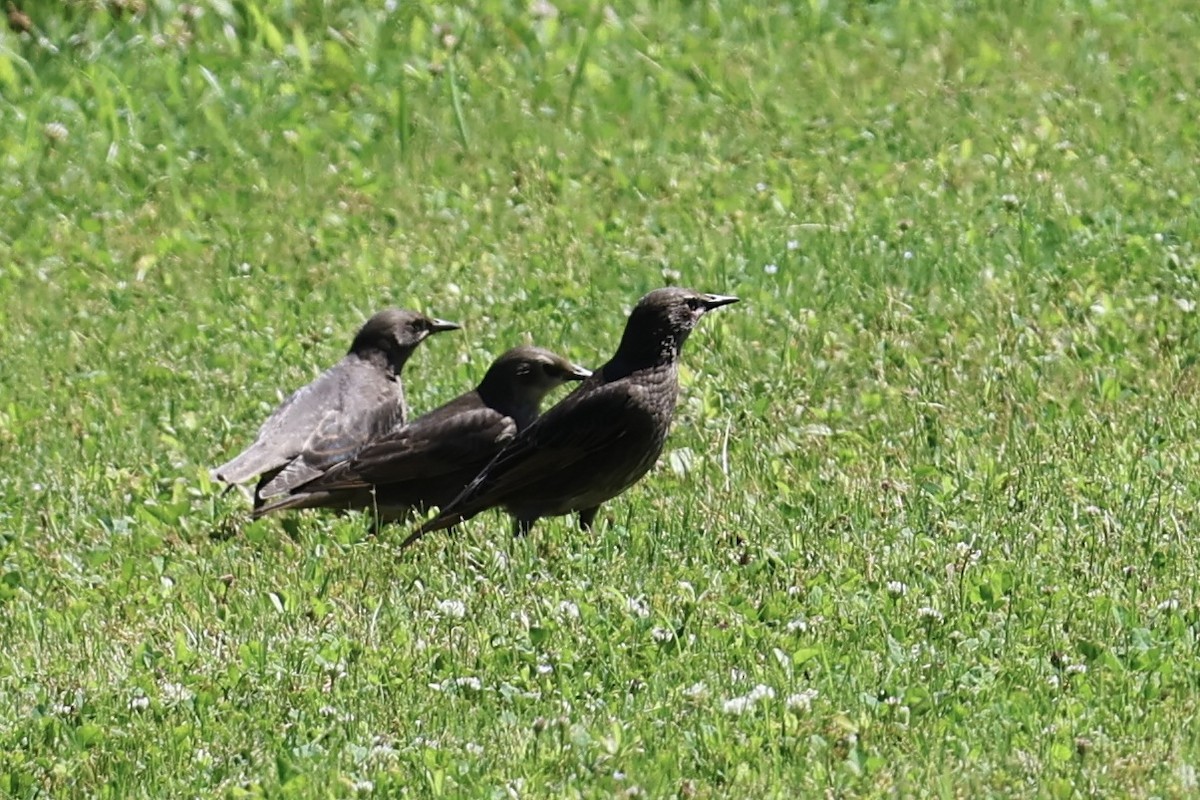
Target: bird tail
{"x":242,"y":467}
{"x":304,"y":500}
{"x":460,"y":509}
{"x":335,"y":499}
{"x":442,"y":521}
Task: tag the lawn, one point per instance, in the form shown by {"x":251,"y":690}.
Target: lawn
{"x":926,"y":522}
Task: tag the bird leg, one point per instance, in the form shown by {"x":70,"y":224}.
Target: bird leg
{"x":586,"y":517}
{"x":521,"y":527}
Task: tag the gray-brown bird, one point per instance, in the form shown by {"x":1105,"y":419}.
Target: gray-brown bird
{"x":428,"y":461}
{"x":357,"y":399}
{"x":600,"y":439}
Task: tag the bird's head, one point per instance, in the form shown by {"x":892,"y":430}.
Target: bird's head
{"x":527,"y":374}
{"x":661,"y":321}
{"x":397,"y":332}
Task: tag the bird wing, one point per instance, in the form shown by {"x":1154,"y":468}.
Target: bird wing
{"x":336,"y":415}
{"x":585,"y":422}
{"x":427,"y":448}
{"x":284,"y":433}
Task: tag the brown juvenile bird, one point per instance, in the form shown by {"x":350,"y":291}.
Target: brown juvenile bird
{"x":429,"y":461}
{"x":600,"y":439}
{"x":357,"y":399}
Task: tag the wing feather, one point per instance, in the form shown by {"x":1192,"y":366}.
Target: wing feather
{"x":571,"y":432}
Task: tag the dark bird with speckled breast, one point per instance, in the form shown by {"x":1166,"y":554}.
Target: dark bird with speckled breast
{"x":600,"y":439}
{"x":428,"y":461}
{"x":357,"y":399}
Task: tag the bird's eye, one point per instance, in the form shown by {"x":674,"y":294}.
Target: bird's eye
{"x":693,"y":303}
{"x":549,"y":370}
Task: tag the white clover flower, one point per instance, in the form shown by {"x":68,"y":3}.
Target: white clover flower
{"x":1076,"y":669}
{"x":662,"y":634}
{"x":802,"y":701}
{"x":793,"y":245}
{"x":740,"y":705}
{"x":56,"y":132}
{"x":455,"y":609}
{"x":545,"y":669}
{"x":737,"y":705}
{"x":1170,"y":604}
{"x":761,"y":692}
{"x":696,"y":691}
{"x":770,"y":269}
{"x":568,"y":609}
{"x":473,"y":749}
{"x":382,"y":749}
{"x":638,"y":607}
{"x":897,"y":588}
{"x":139,"y":703}
{"x":929,"y":613}
{"x":175,"y":693}
{"x":967,"y":553}
{"x":797,"y":625}
{"x":363,"y":786}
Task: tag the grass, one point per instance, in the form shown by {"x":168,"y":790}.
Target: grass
{"x":925,"y":526}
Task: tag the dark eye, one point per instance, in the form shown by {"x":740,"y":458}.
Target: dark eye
{"x":549,"y":370}
{"x":694,"y":303}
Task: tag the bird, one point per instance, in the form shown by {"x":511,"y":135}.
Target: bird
{"x":428,"y":461}
{"x":357,"y":399}
{"x":601,"y":438}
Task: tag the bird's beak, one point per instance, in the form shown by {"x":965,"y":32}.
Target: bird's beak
{"x":712,"y":301}
{"x":577,"y":373}
{"x":439,"y":325}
